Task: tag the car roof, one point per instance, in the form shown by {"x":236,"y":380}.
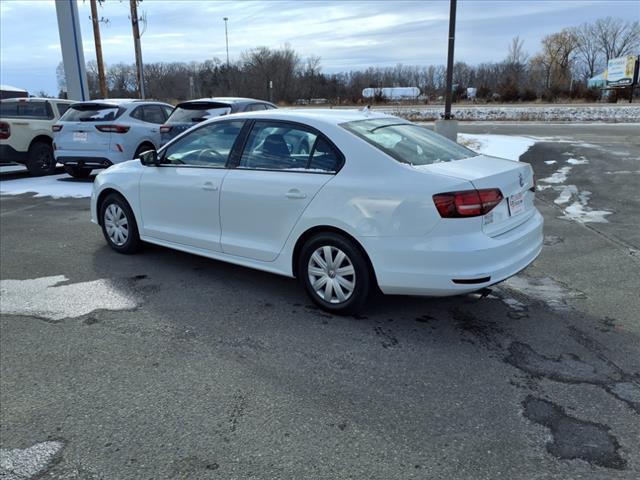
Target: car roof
{"x":314,"y":115}
{"x":39,"y":99}
{"x":228,"y":100}
{"x":121,"y":101}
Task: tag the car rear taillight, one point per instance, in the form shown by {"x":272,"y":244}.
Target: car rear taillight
{"x":56,"y":128}
{"x":113,"y":128}
{"x":467,"y":203}
{"x":5,"y":130}
{"x":165,"y":128}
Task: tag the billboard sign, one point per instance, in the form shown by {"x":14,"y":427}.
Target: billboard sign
{"x":392,"y":93}
{"x":622,"y":71}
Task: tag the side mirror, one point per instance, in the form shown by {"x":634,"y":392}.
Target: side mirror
{"x":150,"y":157}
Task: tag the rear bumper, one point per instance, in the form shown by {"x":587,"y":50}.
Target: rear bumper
{"x":429,"y":265}
{"x":8,"y":154}
{"x":85,"y":162}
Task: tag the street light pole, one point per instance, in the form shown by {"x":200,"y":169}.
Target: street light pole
{"x":226,"y":36}
{"x":452,"y":37}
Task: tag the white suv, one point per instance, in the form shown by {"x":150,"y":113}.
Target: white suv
{"x":26,"y":132}
{"x":100,"y":133}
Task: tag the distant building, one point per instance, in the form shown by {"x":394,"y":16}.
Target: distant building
{"x":598,"y":81}
{"x":392,"y":93}
{"x":7,"y":91}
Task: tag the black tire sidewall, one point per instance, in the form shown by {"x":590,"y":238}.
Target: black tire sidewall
{"x":77,"y":172}
{"x":33,"y":162}
{"x":362,"y":290}
{"x":133,"y":240}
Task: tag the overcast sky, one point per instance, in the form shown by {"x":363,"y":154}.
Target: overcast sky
{"x":345,"y":34}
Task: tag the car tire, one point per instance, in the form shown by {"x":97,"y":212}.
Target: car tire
{"x":347,"y":273}
{"x":119,"y":225}
{"x":40,"y":160}
{"x":77,"y":172}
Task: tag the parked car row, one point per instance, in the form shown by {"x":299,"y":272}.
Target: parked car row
{"x":83,"y":136}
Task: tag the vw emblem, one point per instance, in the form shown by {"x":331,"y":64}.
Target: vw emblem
{"x":521,"y":180}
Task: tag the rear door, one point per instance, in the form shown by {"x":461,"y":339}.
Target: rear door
{"x":81,"y":125}
{"x":263,"y":198}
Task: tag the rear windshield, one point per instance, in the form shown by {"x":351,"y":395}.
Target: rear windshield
{"x":17,"y":109}
{"x":92,"y":113}
{"x":197,"y":112}
{"x":407,"y":142}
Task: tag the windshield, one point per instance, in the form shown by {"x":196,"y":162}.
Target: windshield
{"x":197,"y":112}
{"x":407,"y":142}
{"x":91,"y":113}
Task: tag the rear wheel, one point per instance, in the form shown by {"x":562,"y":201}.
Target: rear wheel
{"x":119,"y":225}
{"x":77,"y":172}
{"x":334,"y":273}
{"x":41,"y":161}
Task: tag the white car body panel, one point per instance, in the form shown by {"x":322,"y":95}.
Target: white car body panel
{"x":386,"y":206}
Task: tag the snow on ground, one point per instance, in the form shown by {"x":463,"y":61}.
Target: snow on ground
{"x":56,"y":186}
{"x":546,"y":113}
{"x":579,"y":209}
{"x":503,"y":146}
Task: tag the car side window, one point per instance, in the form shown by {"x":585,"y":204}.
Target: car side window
{"x":153,"y":114}
{"x":255,"y":107}
{"x":137,"y":113}
{"x":277,"y":146}
{"x":62,"y":107}
{"x":208,"y":146}
{"x":324,"y":157}
{"x":167,"y":111}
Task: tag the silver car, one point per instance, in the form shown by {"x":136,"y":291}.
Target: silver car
{"x":100,"y":133}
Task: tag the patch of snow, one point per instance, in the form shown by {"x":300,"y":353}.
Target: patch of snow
{"x":560,"y":176}
{"x":12,"y":168}
{"x":20,"y":464}
{"x":622,"y":172}
{"x":550,"y":162}
{"x":45,"y":298}
{"x":543,"y":113}
{"x":566,"y":192}
{"x":56,"y":186}
{"x":581,"y":212}
{"x":503,"y":146}
{"x":545,"y":289}
{"x":576,"y":161}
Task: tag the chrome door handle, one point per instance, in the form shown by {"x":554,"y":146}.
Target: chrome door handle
{"x":295,"y":194}
{"x":210,"y":186}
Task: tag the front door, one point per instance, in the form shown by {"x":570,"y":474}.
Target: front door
{"x":180,"y":199}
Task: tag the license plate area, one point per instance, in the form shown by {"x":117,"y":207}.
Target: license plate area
{"x":516,"y":204}
{"x":79,"y":136}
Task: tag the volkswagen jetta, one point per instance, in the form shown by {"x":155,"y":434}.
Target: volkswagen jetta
{"x":376,"y":201}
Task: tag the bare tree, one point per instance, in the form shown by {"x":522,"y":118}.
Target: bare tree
{"x":617,"y":37}
{"x":516,"y":54}
{"x":588,"y":48}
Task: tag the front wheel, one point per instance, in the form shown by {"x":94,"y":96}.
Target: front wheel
{"x":119,"y":225}
{"x":334,"y":273}
{"x":77,"y":172}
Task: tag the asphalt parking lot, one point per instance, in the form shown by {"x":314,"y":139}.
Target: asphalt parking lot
{"x":166,"y":365}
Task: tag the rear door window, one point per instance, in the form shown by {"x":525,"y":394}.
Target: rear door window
{"x":153,"y":114}
{"x":92,"y":113}
{"x":62,"y":108}
{"x":36,"y":110}
{"x":195,"y":112}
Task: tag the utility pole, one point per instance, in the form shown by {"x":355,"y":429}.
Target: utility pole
{"x":136,"y":42}
{"x":96,"y":37}
{"x":448,"y":127}
{"x":226,"y":36}
{"x":452,"y":39}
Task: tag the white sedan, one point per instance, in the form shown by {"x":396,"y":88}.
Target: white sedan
{"x":377,"y":201}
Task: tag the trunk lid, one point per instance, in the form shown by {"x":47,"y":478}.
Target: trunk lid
{"x":79,"y":132}
{"x":514,"y":179}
